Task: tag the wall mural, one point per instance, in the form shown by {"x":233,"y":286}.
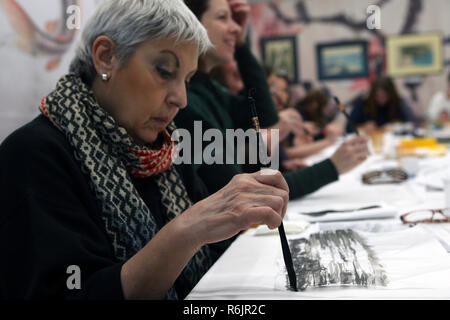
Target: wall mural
{"x":37,"y":43}
{"x":52,"y":42}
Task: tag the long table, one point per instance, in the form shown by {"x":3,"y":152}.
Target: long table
{"x":397,"y":261}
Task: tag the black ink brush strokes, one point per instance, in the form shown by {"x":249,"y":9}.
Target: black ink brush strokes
{"x":336,"y":258}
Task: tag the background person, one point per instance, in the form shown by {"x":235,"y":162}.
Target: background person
{"x":439,"y":109}
{"x":217,"y":108}
{"x":383,"y":106}
{"x":279,"y":88}
{"x":228,"y":76}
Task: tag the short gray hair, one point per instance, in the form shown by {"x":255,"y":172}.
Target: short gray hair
{"x":131,"y":22}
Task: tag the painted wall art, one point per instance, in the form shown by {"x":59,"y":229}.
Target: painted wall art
{"x":324,"y":21}
{"x":280,"y":53}
{"x":37,"y":43}
{"x":342,"y":60}
{"x":414,"y":54}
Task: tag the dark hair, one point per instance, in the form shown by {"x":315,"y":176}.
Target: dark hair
{"x":198,"y":7}
{"x":311,"y":106}
{"x":393,"y":103}
{"x":279,"y":73}
{"x":268,"y":70}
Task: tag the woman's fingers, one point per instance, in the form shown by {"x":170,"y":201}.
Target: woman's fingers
{"x":274,"y":178}
{"x":271,"y":177}
{"x":241,"y":12}
{"x":258,"y":198}
{"x":276,"y":202}
{"x":262,"y":215}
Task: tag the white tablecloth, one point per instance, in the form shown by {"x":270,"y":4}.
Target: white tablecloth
{"x":416,"y":259}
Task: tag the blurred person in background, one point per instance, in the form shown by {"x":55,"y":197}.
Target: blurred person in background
{"x":217,"y":108}
{"x":384,"y":105}
{"x":228,"y":75}
{"x":438,"y":112}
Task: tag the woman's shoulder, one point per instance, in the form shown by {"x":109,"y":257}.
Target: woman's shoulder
{"x":37,"y":161}
{"x":37,"y":140}
{"x":33,"y":135}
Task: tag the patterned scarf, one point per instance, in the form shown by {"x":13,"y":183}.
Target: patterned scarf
{"x":108,"y":155}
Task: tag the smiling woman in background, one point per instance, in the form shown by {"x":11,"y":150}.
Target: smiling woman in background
{"x":90,"y":182}
{"x":217,"y":108}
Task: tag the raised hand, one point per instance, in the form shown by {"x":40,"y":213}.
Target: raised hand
{"x":240,"y":10}
{"x":350,"y":154}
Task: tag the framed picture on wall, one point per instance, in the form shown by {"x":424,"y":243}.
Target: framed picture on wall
{"x":342,"y":60}
{"x":414,"y":54}
{"x":280,"y":53}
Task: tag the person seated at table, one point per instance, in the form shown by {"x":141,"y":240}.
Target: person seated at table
{"x":216,"y":108}
{"x":439,"y":109}
{"x":310,"y":139}
{"x":89,"y":191}
{"x":279,"y":87}
{"x":383,"y":106}
{"x":316,"y":110}
{"x":318,"y":107}
{"x":228,"y":76}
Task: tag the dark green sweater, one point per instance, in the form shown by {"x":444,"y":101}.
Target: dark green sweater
{"x":217,"y":108}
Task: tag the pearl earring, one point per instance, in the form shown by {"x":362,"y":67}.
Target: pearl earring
{"x":104,"y":77}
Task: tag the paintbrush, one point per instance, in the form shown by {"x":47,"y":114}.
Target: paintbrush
{"x":284,"y":243}
{"x":341,"y":107}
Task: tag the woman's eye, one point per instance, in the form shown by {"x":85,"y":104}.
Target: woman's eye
{"x":164,"y":73}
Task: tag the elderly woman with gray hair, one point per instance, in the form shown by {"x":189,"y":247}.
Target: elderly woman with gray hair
{"x":92,"y":206}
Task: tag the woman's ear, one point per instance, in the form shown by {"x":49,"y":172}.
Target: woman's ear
{"x":104,"y":55}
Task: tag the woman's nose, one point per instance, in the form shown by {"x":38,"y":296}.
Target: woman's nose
{"x":178,"y":95}
{"x":235,"y":28}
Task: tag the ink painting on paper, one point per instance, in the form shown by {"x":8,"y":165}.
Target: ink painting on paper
{"x":336,"y":258}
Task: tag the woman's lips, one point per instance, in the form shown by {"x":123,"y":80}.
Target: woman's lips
{"x":162,"y":121}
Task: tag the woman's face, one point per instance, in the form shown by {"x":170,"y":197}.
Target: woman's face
{"x":145,"y":93}
{"x":381,"y":97}
{"x":233,"y":77}
{"x":279,"y":89}
{"x":222,"y":31}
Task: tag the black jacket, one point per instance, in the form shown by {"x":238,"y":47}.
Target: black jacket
{"x":49,"y":220}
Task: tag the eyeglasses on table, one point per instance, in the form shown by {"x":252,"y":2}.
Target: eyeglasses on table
{"x":385,"y":176}
{"x":426,"y":216}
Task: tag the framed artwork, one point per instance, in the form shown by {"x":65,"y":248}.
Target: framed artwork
{"x":280,"y":53}
{"x":414,"y":54}
{"x":342,"y":60}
